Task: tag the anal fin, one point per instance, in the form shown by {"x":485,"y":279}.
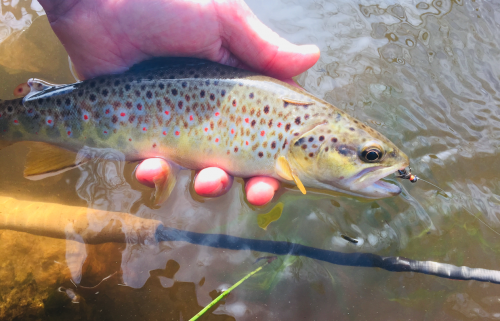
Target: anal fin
{"x":45,"y":160}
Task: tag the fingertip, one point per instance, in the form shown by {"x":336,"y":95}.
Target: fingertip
{"x":257,"y":46}
{"x":212,"y":182}
{"x":150,"y":168}
{"x":260,"y":190}
{"x":311,"y":51}
{"x":292,"y":60}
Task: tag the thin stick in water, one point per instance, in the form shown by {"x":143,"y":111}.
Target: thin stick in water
{"x":225,"y":293}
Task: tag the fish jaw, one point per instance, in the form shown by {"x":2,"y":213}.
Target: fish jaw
{"x":368,"y":182}
{"x":377,"y":189}
{"x":372,"y":186}
{"x":368,"y":176}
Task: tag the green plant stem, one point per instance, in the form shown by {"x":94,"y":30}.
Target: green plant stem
{"x":225,"y":293}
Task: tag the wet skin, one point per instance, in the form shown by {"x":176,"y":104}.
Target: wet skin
{"x":106,"y":36}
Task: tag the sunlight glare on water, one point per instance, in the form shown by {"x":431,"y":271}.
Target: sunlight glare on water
{"x":423,"y":73}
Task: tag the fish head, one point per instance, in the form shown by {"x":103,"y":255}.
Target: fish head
{"x":344,"y":155}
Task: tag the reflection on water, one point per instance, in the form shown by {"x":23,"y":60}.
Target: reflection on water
{"x":423,"y":73}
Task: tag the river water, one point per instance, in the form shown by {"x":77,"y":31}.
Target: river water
{"x":423,"y":73}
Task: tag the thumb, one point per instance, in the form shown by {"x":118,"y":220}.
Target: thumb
{"x":260,"y":48}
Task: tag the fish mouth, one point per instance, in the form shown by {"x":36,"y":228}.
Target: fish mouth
{"x":369,"y":183}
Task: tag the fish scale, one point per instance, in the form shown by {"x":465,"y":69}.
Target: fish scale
{"x":194,"y":113}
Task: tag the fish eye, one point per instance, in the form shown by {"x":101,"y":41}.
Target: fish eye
{"x":371,"y":153}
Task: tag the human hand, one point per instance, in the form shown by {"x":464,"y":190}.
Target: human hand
{"x":210,"y":182}
{"x":108,"y":36}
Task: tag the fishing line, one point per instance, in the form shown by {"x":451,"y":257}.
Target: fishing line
{"x":434,"y":185}
{"x":404,"y":174}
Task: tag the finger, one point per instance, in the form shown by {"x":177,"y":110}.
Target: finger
{"x":212,"y":182}
{"x":257,"y":46}
{"x":260,"y":190}
{"x":149,"y":169}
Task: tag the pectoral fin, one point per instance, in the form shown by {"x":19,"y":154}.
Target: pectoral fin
{"x":284,"y":171}
{"x":46,"y":160}
{"x":299,"y":183}
{"x":164,"y":184}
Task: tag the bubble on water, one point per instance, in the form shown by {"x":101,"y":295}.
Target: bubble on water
{"x":372,"y":239}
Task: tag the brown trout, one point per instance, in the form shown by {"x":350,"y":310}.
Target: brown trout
{"x":198,"y":114}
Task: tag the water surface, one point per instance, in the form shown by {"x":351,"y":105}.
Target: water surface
{"x":423,"y":73}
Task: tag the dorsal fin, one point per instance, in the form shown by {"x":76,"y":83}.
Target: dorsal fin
{"x":166,"y":62}
{"x":182,"y":68}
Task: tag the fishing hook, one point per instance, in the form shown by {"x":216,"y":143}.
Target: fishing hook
{"x":404,"y":174}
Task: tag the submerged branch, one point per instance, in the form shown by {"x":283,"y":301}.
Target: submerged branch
{"x":97,"y":226}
